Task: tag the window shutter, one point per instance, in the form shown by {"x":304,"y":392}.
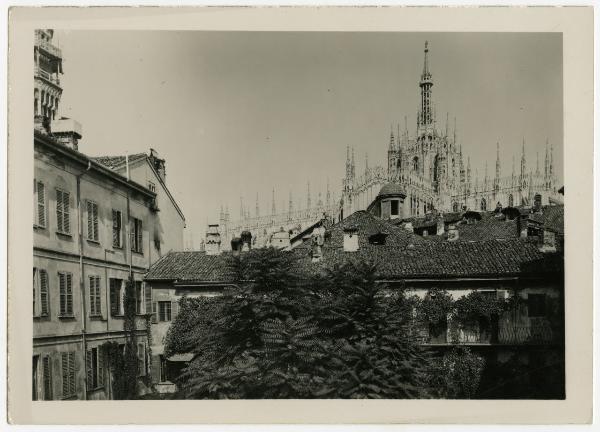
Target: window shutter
{"x":174,"y":309}
{"x":154,"y":312}
{"x":65,"y":374}
{"x":100,"y":368}
{"x":34,"y":291}
{"x":90,"y":233}
{"x":147,"y":298}
{"x":95,"y":221}
{"x":41,"y":204}
{"x":69,"y":294}
{"x":47,"y":372}
{"x":66,"y":216}
{"x":72,"y":388}
{"x":62,"y":294}
{"x":44,"y":295}
{"x":114,"y":307}
{"x":89,"y":370}
{"x":59,"y":211}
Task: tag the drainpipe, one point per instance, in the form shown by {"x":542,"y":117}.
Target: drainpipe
{"x":82,"y":276}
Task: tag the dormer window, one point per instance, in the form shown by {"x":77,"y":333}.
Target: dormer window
{"x":394,"y":208}
{"x":378,"y":238}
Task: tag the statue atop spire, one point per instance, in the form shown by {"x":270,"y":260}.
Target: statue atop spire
{"x":426,"y":113}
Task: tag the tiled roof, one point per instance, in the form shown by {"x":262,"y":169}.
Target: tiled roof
{"x":191,"y":266}
{"x":391,"y":189}
{"x":367,"y":225}
{"x":115,"y":161}
{"x":487,"y":229}
{"x":404,"y":256}
{"x":446,"y":259}
{"x":551,"y":218}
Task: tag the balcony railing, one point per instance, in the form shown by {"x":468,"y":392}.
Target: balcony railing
{"x":48,"y":47}
{"x":536,"y":334}
{"x":46,"y":75}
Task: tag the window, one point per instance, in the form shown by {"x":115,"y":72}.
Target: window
{"x":141,"y":355}
{"x":511,"y":200}
{"x":92,"y":220}
{"x":117,"y":229}
{"x":62,"y":212}
{"x":136,"y":235}
{"x":163,"y":369}
{"x":40,"y":293}
{"x":148,"y":298}
{"x":164,"y":311}
{"x":39,"y":193}
{"x":94,"y":365}
{"x":95,"y":299}
{"x":66,"y":294}
{"x":34,"y":377}
{"x":536,"y":305}
{"x":47,"y":377}
{"x":68,"y":374}
{"x":394,"y":211}
{"x":139,"y":298}
{"x":116,"y":297}
{"x":151,"y":186}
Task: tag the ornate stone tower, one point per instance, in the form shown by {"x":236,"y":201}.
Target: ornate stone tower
{"x":47,"y":70}
{"x":426,"y":114}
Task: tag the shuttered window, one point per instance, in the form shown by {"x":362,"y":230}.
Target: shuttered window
{"x":136,"y":235}
{"x":44,"y":297}
{"x":147,"y":299}
{"x":139,"y":297}
{"x":95,"y":298}
{"x":94,"y":362}
{"x":117,"y":222}
{"x":92,"y":220}
{"x":66,"y":294}
{"x":47,"y":377}
{"x":68,"y":374}
{"x":39,"y":204}
{"x":115,"y":297}
{"x":63,"y":219}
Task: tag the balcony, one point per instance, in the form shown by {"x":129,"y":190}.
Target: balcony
{"x":48,"y":48}
{"x":533,"y":334}
{"x":53,"y":78}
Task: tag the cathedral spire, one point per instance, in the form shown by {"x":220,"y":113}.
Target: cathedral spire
{"x":546,"y":161}
{"x":257,"y":211}
{"x":273,"y":202}
{"x":426,"y":114}
{"x":537,"y":163}
{"x":551,"y":168}
{"x":523,"y":161}
{"x":308,"y":203}
{"x":497,"y":161}
{"x":242,"y":213}
{"x":447,"y":124}
{"x":290,"y":204}
{"x":328,"y":194}
{"x":366,"y":162}
{"x":392,"y":140}
{"x":353,"y":165}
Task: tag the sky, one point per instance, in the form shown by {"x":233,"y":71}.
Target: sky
{"x":236,"y":114}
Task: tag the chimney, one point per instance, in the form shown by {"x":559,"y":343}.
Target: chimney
{"x":521,"y":228}
{"x":453,"y":233}
{"x":440,"y":225}
{"x":67,"y":132}
{"x":213,"y":240}
{"x":548,"y":242}
{"x":408,"y":226}
{"x":317,"y":240}
{"x":246,"y":239}
{"x":236,"y":246}
{"x":350,"y":239}
{"x":280,"y":239}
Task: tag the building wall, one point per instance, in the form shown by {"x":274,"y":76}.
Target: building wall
{"x":55,"y":252}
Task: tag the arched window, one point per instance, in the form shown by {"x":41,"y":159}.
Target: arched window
{"x":416,"y":164}
{"x":510,"y":200}
{"x":483,"y":206}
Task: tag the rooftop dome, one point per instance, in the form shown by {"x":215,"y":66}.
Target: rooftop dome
{"x":391,"y":189}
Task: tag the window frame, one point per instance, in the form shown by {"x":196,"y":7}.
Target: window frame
{"x":116,"y":284}
{"x":163,"y":313}
{"x":47,"y":391}
{"x":142,"y":360}
{"x":139,"y":297}
{"x":94,"y":369}
{"x":41,"y":293}
{"x":137,"y":236}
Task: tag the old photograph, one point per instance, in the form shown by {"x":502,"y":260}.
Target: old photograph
{"x":289,"y":215}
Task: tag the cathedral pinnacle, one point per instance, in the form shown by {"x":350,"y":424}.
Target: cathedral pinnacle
{"x":497,"y":160}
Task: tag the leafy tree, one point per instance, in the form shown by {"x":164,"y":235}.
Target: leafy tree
{"x":457,"y":374}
